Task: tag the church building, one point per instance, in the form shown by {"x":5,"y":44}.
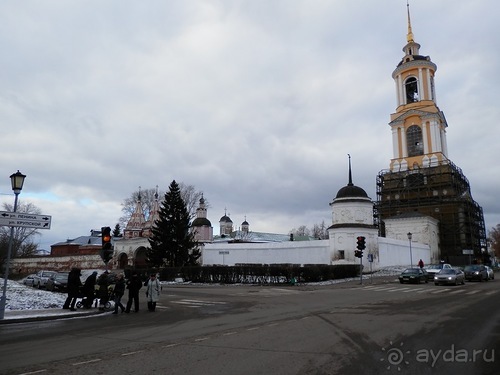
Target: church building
{"x":422,"y":182}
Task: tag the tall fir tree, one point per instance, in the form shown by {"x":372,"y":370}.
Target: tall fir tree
{"x":171,"y":242}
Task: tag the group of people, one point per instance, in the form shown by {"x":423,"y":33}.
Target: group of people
{"x":87,"y":291}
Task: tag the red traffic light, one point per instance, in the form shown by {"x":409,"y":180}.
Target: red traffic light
{"x":361,"y":243}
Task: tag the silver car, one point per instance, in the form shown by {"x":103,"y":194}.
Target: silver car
{"x":433,"y":269}
{"x":41,"y":278}
{"x":448,"y":276}
{"x":491,"y":273}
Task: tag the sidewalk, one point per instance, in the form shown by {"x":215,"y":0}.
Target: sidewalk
{"x":22,"y":316}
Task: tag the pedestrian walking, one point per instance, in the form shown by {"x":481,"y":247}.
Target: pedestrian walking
{"x":118,"y":292}
{"x":88,"y":290}
{"x":134,"y":284}
{"x":421,"y":263}
{"x":103,"y":292}
{"x":74,"y":284}
{"x":153,"y":291}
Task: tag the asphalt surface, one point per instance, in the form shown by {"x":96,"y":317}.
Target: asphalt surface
{"x":21,"y":316}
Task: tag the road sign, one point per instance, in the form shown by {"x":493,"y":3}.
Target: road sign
{"x":224,"y":252}
{"x":467,"y":252}
{"x":19,"y":219}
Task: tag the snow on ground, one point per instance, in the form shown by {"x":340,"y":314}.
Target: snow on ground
{"x":22,"y":297}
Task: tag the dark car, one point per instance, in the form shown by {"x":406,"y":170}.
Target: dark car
{"x":58,"y":282}
{"x":451,"y":276}
{"x":413,"y":275}
{"x":476,"y":272}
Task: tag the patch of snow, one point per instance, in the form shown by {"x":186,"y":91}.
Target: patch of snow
{"x":22,"y":297}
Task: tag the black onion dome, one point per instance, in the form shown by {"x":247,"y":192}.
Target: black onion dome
{"x":201,"y":221}
{"x":225,"y":219}
{"x":351,"y":191}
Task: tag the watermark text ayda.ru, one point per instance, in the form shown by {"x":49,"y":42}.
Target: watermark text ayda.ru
{"x":397,"y":357}
{"x":454,"y":355}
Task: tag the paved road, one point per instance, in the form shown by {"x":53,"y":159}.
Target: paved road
{"x":340,"y":329}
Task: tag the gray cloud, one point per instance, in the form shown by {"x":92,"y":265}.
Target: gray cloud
{"x":256,"y":103}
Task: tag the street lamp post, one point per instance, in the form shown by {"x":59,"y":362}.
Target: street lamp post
{"x":411,"y":258}
{"x":17,"y":181}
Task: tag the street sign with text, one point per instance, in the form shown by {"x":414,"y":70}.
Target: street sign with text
{"x":19,"y":219}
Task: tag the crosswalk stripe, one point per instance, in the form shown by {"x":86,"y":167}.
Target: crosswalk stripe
{"x":197,"y":303}
{"x":458,"y":291}
{"x":412,"y":290}
{"x":440,"y":291}
{"x":400,"y":290}
{"x":209,"y":302}
{"x":472,"y":292}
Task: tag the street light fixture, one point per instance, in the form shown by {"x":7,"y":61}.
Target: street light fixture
{"x":17,"y":181}
{"x":411,"y":258}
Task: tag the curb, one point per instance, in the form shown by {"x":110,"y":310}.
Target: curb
{"x":37,"y":318}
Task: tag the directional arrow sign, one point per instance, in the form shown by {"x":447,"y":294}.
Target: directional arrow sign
{"x":19,"y":219}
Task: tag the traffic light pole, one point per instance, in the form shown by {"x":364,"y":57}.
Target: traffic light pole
{"x":361,"y":270}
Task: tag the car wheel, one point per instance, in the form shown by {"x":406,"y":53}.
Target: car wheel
{"x":463,"y":281}
{"x":436,"y":283}
{"x":401,"y":281}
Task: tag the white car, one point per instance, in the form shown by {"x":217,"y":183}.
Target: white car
{"x":28,"y":280}
{"x":491,"y":274}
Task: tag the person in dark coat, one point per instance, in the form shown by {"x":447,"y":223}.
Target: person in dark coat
{"x":134,"y":284}
{"x":89,"y":290}
{"x":118,"y":292}
{"x":103,"y":292}
{"x":74,"y":284}
{"x":421,"y":263}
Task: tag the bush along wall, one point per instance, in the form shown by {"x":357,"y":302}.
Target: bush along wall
{"x":259,"y":274}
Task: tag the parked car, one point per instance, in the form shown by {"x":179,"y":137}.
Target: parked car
{"x":476,"y":272}
{"x":491,"y":273}
{"x":449,"y":276}
{"x":41,"y":277}
{"x":28,"y":280}
{"x":58,"y":281}
{"x":413,"y":275}
{"x":433,"y":269}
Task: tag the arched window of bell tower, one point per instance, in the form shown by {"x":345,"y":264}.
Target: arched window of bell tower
{"x":414,"y":141}
{"x":411,"y":88}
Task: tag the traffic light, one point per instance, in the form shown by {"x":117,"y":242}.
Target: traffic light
{"x":107,"y":248}
{"x":361,"y":243}
{"x":358,"y":253}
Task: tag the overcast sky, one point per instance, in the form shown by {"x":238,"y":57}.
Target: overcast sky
{"x":255,"y":103}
